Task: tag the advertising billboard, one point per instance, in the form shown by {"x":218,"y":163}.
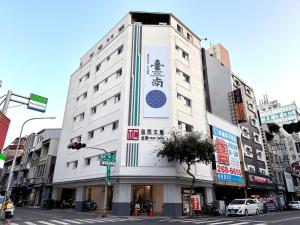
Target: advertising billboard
{"x":227,"y":157}
{"x":4,"y":124}
{"x":289,"y":182}
{"x":156,"y":97}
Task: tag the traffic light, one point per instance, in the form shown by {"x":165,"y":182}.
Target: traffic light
{"x":292,"y":127}
{"x":76,"y":145}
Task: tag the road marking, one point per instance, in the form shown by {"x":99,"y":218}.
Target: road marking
{"x":217,"y":223}
{"x":241,"y":223}
{"x":29,"y":223}
{"x":206,"y":221}
{"x":60,"y":222}
{"x":287,"y":219}
{"x":72,"y":221}
{"x":44,"y":222}
{"x":85,"y":221}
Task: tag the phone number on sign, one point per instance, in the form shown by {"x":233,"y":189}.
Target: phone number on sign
{"x":225,"y":169}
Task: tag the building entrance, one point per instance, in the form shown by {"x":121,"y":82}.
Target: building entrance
{"x":142,"y":197}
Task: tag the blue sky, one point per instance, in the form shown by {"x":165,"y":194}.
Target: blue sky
{"x":41,"y":43}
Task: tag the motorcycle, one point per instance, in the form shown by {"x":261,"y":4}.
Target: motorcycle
{"x":90,"y":205}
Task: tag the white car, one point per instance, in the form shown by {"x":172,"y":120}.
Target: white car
{"x":242,"y":207}
{"x":260,"y":205}
{"x":294,"y":205}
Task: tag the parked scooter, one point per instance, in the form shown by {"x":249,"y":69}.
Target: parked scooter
{"x":66,"y":204}
{"x":90,"y":205}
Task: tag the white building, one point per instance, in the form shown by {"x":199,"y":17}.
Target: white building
{"x":141,"y":79}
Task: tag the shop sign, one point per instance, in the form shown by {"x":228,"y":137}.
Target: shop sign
{"x":133,"y":134}
{"x":152,"y":134}
{"x":227,"y":157}
{"x":239,"y":107}
{"x":259,"y":179}
{"x":289,"y":182}
{"x":196,"y":202}
{"x":156,"y":80}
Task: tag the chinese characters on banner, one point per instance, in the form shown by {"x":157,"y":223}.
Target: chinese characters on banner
{"x":227,"y":157}
{"x":156,"y":82}
{"x":239,"y":107}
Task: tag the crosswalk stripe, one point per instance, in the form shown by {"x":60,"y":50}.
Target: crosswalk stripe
{"x":29,"y":223}
{"x":60,"y":222}
{"x":241,"y":223}
{"x":72,"y":221}
{"x":85,"y":221}
{"x":217,"y":223}
{"x":44,"y":222}
{"x":206,"y":221}
{"x":93,"y":220}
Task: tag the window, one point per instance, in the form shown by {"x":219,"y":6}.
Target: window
{"x":245,"y":133}
{"x":91,"y":134}
{"x":81,"y":116}
{"x":178,"y":71}
{"x":106,"y":79}
{"x":186,"y":78}
{"x":100,"y":47}
{"x":75,"y":164}
{"x":98,"y":67}
{"x":107,"y":40}
{"x":94,"y":110}
{"x":92,"y":54}
{"x":74,"y":118}
{"x":237,"y":83}
{"x":79,"y":138}
{"x":178,"y":96}
{"x":179,"y":28}
{"x":108,"y":58}
{"x":119,"y":73}
{"x":121,"y":28}
{"x":67,"y":164}
{"x":250,"y":106}
{"x":101,"y":129}
{"x":120,"y":50}
{"x":251,"y":168}
{"x":248,"y":151}
{"x":187,"y":102}
{"x":117,"y":97}
{"x":259,"y":154}
{"x":189,"y":37}
{"x":185,"y":55}
{"x":115,"y":125}
{"x":112,"y":36}
{"x":80,"y":80}
{"x":179,"y":123}
{"x":188,"y":128}
{"x":96,"y":88}
{"x":248,"y":92}
{"x":87,"y":161}
{"x":262,"y":171}
{"x":104,"y":103}
{"x":253,"y":121}
{"x":77,"y":99}
{"x":177,"y":47}
{"x":84,"y":96}
{"x":256,"y":138}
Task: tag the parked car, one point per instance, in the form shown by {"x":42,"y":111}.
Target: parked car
{"x":260,"y":205}
{"x":294,"y":205}
{"x":242,"y":207}
{"x":10,"y":211}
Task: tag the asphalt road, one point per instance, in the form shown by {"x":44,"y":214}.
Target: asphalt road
{"x":25,"y":216}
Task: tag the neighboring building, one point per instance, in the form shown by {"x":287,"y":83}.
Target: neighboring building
{"x":283,"y":161}
{"x":33,"y":173}
{"x":131,"y":88}
{"x":232,"y":99}
{"x":274,"y":112}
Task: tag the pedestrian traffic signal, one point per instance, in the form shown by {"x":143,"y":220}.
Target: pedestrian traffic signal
{"x":292,"y":127}
{"x":76,"y":145}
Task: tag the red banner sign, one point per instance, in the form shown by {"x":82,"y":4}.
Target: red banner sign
{"x":4,"y":124}
{"x":133,"y":134}
{"x":196,"y":202}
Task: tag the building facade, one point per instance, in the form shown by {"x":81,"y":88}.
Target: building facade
{"x":131,"y":88}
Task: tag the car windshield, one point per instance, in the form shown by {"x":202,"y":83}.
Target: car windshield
{"x":238,"y":202}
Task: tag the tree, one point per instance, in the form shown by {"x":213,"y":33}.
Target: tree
{"x":187,"y":148}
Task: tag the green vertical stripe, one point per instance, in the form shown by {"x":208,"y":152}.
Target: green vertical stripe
{"x":134,"y":154}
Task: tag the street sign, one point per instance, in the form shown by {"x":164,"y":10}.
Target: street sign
{"x":2,"y":160}
{"x":37,"y":103}
{"x":108,"y":160}
{"x":108,"y":157}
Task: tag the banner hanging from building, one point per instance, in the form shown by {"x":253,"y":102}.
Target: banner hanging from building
{"x":289,"y":182}
{"x":4,"y":124}
{"x":227,"y":157}
{"x":239,"y":107}
{"x":156,"y":97}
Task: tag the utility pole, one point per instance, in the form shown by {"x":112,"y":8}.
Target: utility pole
{"x":6,"y":102}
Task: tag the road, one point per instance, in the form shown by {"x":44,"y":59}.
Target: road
{"x":25,"y":216}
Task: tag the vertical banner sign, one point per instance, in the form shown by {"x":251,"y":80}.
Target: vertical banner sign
{"x":156,"y":80}
{"x":196,"y":202}
{"x":289,"y":182}
{"x":227,"y":157}
{"x":239,"y":107}
{"x":4,"y":124}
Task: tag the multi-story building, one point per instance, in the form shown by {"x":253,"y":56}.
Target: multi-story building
{"x":274,"y":112}
{"x":282,"y":160}
{"x":130,"y":89}
{"x":33,"y":173}
{"x":232,"y":99}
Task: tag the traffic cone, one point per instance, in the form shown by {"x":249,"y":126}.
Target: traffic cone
{"x":135,"y":213}
{"x":151,"y":212}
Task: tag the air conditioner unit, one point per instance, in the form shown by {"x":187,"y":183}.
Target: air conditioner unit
{"x":162,"y":24}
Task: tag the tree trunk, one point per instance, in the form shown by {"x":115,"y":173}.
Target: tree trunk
{"x":191,"y":189}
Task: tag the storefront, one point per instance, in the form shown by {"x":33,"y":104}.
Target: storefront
{"x":260,"y":186}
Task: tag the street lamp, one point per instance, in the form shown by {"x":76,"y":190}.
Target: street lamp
{"x":14,"y":161}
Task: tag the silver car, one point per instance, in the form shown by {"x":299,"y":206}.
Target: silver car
{"x":242,"y":207}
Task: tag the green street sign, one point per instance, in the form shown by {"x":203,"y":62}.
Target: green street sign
{"x":37,"y":103}
{"x":2,"y":160}
{"x":109,"y":158}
